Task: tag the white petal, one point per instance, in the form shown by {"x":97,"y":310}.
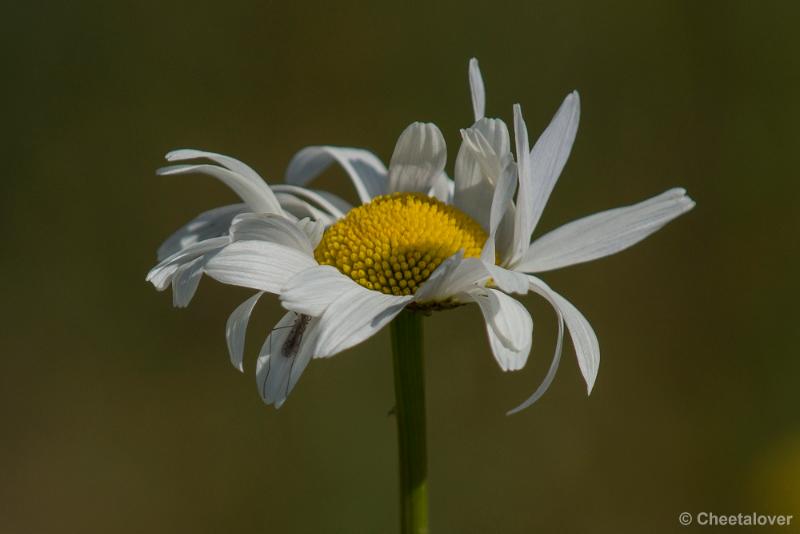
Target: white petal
{"x":304,"y":355}
{"x":503,"y":195}
{"x":525,"y":197}
{"x":272,"y":228}
{"x":547,"y":160}
{"x":236,"y":328}
{"x":550,"y":153}
{"x":300,"y":208}
{"x":313,"y":290}
{"x":418,"y":160}
{"x":453,"y":276}
{"x":473,"y":190}
{"x":488,"y":251}
{"x":185,"y":281}
{"x":328,"y":202}
{"x":509,"y":326}
{"x":211,"y":223}
{"x":313,"y":230}
{"x":226,"y":161}
{"x":284,"y":355}
{"x":258,"y":265}
{"x":504,"y":238}
{"x":495,"y":132}
{"x":358,"y":314}
{"x":341,"y":204}
{"x":443,"y":189}
{"x":481,"y":160}
{"x":603,"y":233}
{"x":161,"y":275}
{"x":503,"y":214}
{"x":551,"y":372}
{"x":476,"y":89}
{"x":539,"y":171}
{"x":364,"y":168}
{"x":587,"y":348}
{"x":258,"y":196}
{"x":507,"y":280}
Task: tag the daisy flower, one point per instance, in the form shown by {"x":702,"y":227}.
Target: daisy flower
{"x":418,"y":241}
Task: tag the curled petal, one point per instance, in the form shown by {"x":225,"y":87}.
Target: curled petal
{"x":366,"y":171}
{"x":258,"y":196}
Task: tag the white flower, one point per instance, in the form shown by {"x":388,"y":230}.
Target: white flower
{"x":586,"y":239}
{"x":419,"y":240}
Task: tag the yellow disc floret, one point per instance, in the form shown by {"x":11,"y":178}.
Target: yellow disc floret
{"x":395,"y":242}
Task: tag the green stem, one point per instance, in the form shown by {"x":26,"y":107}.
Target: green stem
{"x":409,"y":387}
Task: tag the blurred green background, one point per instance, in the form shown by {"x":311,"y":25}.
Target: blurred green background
{"x":122,"y":414}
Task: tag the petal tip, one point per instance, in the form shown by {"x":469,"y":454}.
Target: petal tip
{"x":172,"y":169}
{"x":177,"y":154}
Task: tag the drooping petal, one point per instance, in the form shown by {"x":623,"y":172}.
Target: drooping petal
{"x":604,"y":233}
{"x":364,"y":168}
{"x":236,"y":328}
{"x":271,"y":228}
{"x":476,"y":89}
{"x":258,"y":265}
{"x":356,"y":315}
{"x":587,"y":348}
{"x":508,"y":325}
{"x":228,"y":162}
{"x":161,"y":275}
{"x":211,"y":223}
{"x":257,"y":194}
{"x":284,"y":356}
{"x":418,"y":160}
{"x":185,"y":281}
{"x":313,"y":290}
{"x":551,"y":372}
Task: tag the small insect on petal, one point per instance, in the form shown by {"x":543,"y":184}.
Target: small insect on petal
{"x":292,"y":343}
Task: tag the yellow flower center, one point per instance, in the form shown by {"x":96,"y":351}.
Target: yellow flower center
{"x":395,"y":242}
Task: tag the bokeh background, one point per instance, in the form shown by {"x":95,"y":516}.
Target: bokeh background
{"x":119,"y":413}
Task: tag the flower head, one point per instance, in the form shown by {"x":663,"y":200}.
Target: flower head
{"x":395,"y":242}
{"x":419,"y":240}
